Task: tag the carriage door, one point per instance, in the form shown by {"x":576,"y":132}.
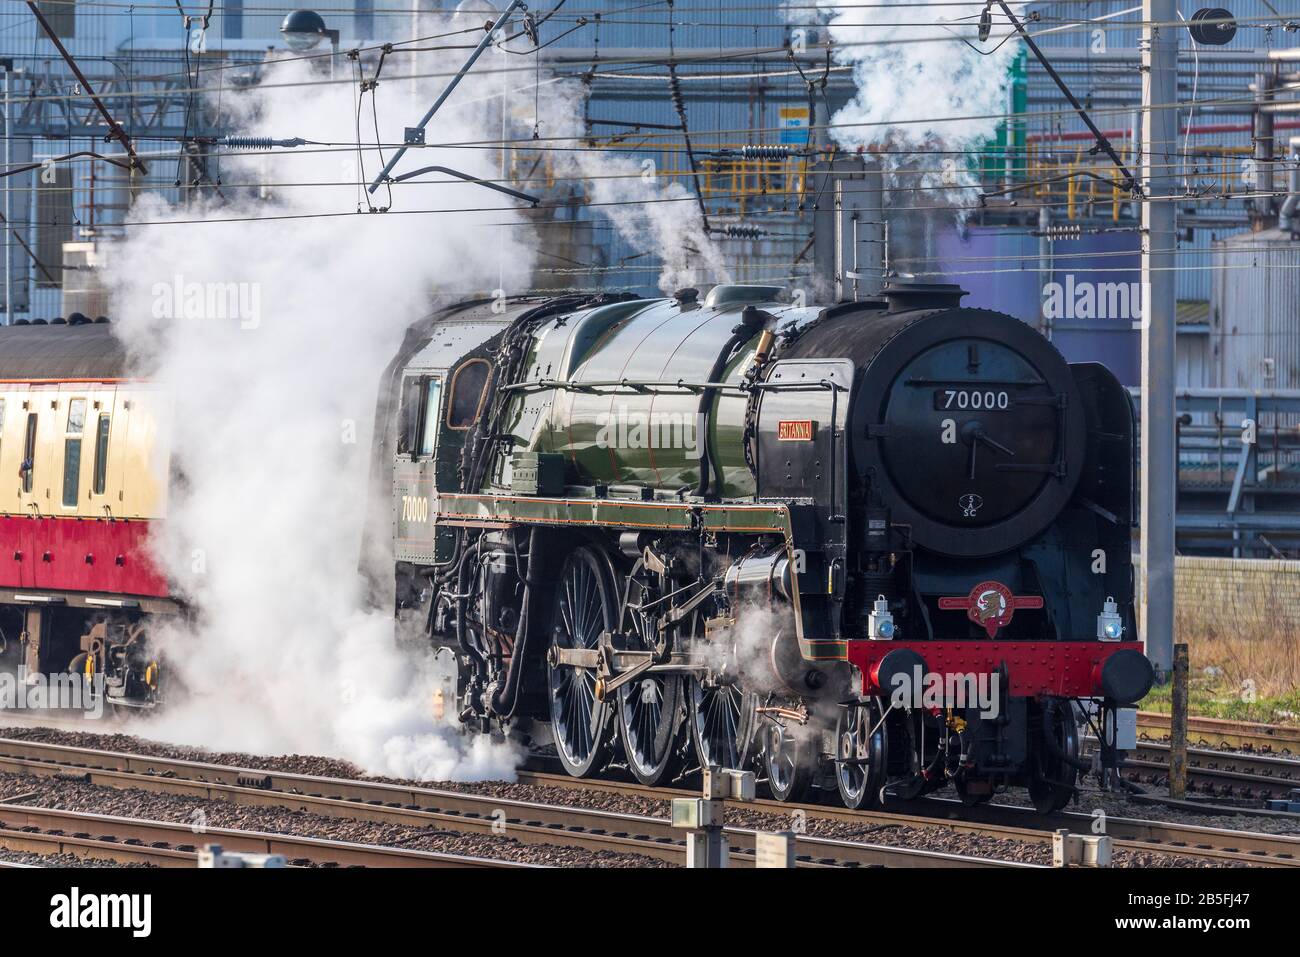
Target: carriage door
{"x":415,"y":498}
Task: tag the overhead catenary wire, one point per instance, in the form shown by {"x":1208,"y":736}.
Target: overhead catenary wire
{"x":679,"y":106}
{"x":115,"y":129}
{"x":649,"y":269}
{"x":507,"y":142}
{"x":681,"y":59}
{"x":279,"y":217}
{"x":1037,"y":116}
{"x":278,"y":10}
{"x":900,"y":174}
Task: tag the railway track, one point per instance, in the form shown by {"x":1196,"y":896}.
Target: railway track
{"x":531,"y":822}
{"x":1221,"y":774}
{"x":1220,"y":733}
{"x":527,"y":822}
{"x":131,"y":840}
{"x":1013,"y":823}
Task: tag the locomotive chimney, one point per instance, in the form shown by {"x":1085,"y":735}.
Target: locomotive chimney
{"x":904,"y":296}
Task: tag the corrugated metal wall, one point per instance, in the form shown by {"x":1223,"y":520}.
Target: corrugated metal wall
{"x":1257,"y":300}
{"x":1105,"y":75}
{"x":1101,"y":69}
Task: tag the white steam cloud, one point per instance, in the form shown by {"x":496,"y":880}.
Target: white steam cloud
{"x":648,"y":214}
{"x":651,"y":212}
{"x":917,"y":83}
{"x":925,"y":90}
{"x":268,"y":317}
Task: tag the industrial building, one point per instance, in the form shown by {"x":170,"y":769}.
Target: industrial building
{"x":1046,"y":233}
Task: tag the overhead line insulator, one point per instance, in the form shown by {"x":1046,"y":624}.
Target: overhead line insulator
{"x":259,"y":142}
{"x":741,"y":232}
{"x":766,"y":152}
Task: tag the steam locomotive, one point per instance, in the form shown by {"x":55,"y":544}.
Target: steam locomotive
{"x":879,"y":547}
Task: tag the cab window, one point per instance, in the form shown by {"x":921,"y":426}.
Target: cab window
{"x":467,"y":391}
{"x":432,"y":393}
{"x":410,"y":415}
{"x":418,"y":427}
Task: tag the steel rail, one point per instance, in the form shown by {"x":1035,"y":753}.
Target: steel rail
{"x":1228,"y":774}
{"x":1010,"y":823}
{"x":83,"y":833}
{"x":1220,"y":732}
{"x":536,"y":823}
{"x":527,"y":822}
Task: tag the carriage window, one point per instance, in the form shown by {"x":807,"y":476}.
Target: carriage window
{"x":76,"y":416}
{"x":468,"y":390}
{"x":101,"y":456}
{"x":431,"y":396}
{"x":71,"y":470}
{"x":28,"y":468}
{"x":72,"y":451}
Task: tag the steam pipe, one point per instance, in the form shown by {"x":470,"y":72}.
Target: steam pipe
{"x":1263,"y":143}
{"x":1286,"y":215}
{"x":505,"y":701}
{"x":1202,"y":130}
{"x":752,"y":320}
{"x":707,"y":464}
{"x":461,"y":639}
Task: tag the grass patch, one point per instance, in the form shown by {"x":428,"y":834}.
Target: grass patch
{"x":1245,"y":663}
{"x":1212,"y":698}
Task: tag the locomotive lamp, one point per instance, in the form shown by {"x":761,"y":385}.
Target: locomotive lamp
{"x":303,"y":30}
{"x":1110,"y":627}
{"x":881,"y":624}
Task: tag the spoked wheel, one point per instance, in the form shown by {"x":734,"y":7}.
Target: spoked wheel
{"x":788,"y":760}
{"x":861,"y":752}
{"x":722,"y":723}
{"x":584,"y":607}
{"x":651,"y":708}
{"x":1052,"y":776}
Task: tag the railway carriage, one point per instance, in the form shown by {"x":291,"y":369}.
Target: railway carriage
{"x":83,"y":482}
{"x":878,"y":547}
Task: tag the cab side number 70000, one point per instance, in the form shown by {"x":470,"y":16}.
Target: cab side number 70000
{"x":415,"y":508}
